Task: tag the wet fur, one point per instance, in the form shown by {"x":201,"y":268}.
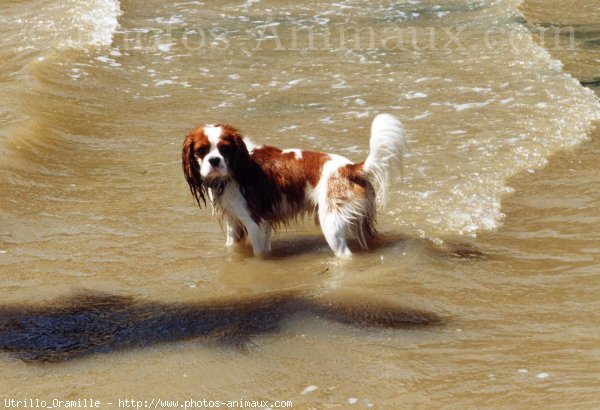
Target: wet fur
{"x":256,"y":189}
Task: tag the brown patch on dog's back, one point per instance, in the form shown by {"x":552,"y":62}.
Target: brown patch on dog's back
{"x":278,"y":177}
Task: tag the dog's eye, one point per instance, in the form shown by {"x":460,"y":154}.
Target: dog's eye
{"x":202,"y":151}
{"x":225,"y":149}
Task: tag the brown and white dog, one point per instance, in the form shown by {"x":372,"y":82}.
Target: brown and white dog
{"x":257,"y":188}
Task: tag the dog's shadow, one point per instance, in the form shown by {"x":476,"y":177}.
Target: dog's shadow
{"x":88,"y":323}
{"x":286,"y":247}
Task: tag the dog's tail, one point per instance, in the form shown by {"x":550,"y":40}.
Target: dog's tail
{"x":386,"y":147}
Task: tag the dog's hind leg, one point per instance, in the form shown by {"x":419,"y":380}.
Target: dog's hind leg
{"x":334,"y":229}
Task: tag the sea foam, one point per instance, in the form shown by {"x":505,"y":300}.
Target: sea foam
{"x":91,"y":23}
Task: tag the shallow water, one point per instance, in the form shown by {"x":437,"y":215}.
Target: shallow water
{"x":492,"y":225}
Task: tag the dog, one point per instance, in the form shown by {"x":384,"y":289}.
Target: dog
{"x":256,"y":189}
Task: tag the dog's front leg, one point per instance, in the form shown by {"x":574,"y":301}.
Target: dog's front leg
{"x":235,"y":232}
{"x":260,"y":237}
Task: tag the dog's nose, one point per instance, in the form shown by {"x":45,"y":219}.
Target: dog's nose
{"x":214,"y":161}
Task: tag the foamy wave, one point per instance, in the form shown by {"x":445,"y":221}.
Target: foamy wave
{"x":572,"y":124}
{"x":60,"y":24}
{"x":102,"y":20}
{"x":554,"y":113}
{"x":93,"y":23}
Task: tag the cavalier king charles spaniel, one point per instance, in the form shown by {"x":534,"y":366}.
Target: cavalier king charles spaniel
{"x":257,"y":188}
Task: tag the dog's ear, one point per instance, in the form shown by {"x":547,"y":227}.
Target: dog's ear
{"x":234,"y":149}
{"x":243,"y":156}
{"x":191,"y":168}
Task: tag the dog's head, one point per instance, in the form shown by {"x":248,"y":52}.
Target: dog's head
{"x":212,"y":155}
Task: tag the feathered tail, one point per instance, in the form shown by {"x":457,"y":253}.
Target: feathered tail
{"x":386,"y":147}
